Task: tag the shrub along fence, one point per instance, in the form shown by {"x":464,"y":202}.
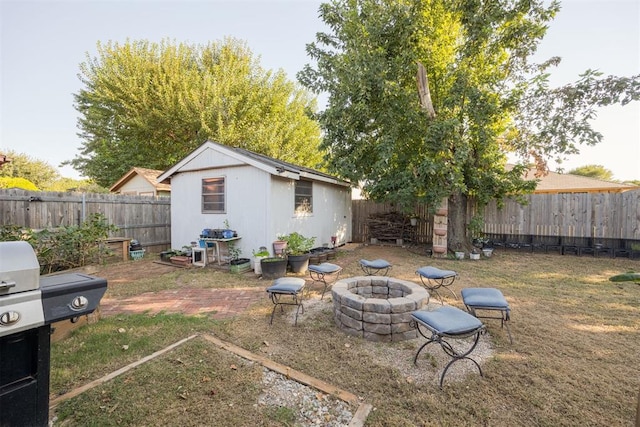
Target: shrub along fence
{"x":146,"y":219}
{"x":586,"y":219}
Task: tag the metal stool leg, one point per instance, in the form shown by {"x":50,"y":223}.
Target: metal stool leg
{"x":276,"y":300}
{"x":448,"y":349}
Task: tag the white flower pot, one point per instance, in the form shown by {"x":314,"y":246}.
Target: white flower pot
{"x":257,"y":267}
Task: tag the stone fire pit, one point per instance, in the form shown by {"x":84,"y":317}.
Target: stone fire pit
{"x":377,"y":308}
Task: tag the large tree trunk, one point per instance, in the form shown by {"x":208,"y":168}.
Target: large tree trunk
{"x":457,"y":230}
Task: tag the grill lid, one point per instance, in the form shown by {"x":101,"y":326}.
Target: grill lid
{"x":67,"y":296}
{"x":19,"y":268}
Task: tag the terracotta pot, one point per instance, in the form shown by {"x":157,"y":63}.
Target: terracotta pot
{"x":279,"y":246}
{"x":442,"y":211}
{"x":439,"y":249}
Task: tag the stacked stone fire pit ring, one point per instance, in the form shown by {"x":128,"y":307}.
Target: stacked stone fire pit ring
{"x":377,"y":308}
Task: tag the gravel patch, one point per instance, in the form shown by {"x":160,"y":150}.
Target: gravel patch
{"x":311,"y":407}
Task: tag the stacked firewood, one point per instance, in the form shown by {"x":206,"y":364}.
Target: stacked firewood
{"x":388,"y":226}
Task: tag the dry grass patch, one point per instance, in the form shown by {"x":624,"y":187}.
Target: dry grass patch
{"x":573,"y":362}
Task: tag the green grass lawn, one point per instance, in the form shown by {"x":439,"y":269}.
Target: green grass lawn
{"x":574,"y":360}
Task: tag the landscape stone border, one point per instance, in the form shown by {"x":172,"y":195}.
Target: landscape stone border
{"x":377,"y":308}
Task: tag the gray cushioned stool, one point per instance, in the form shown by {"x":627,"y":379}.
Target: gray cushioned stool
{"x":378,"y":267}
{"x":282,"y":288}
{"x":433,"y":279}
{"x":320,"y":272}
{"x":490,"y":299}
{"x":446,"y":323}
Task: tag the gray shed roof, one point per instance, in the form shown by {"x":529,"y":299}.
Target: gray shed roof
{"x":269,"y":164}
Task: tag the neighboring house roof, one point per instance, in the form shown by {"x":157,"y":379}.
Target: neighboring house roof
{"x":555,"y":182}
{"x":150,"y":175}
{"x":260,"y":161}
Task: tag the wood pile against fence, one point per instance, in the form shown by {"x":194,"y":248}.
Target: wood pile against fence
{"x":389,"y":226}
{"x":146,"y":219}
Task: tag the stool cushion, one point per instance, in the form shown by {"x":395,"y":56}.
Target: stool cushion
{"x":489,"y":298}
{"x":377,"y":263}
{"x":286,"y":285}
{"x":435,"y":273}
{"x":325,"y":267}
{"x":448,"y":320}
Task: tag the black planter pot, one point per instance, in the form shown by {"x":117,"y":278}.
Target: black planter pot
{"x":298,"y":263}
{"x":165,"y":256}
{"x":273,"y":268}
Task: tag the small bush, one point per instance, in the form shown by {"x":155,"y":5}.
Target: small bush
{"x":64,"y":247}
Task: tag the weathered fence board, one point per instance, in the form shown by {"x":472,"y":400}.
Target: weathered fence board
{"x":146,"y":219}
{"x":576,"y":215}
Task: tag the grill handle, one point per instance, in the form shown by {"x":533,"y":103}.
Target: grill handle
{"x":6,"y":285}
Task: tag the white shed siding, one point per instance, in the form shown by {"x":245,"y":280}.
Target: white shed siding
{"x":282,"y":196}
{"x":247,"y":189}
{"x":332,"y":206}
{"x":331,"y":212}
{"x":209,"y":159}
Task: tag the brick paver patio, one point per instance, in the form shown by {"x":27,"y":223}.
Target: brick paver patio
{"x":223,"y":303}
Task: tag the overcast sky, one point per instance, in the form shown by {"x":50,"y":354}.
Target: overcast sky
{"x":42,"y":44}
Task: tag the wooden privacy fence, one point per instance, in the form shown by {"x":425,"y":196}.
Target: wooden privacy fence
{"x":147,"y":219}
{"x":577,"y":215}
{"x":580,"y":215}
{"x":143,"y":218}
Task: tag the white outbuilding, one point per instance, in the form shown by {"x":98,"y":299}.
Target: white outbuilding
{"x":257,"y":196}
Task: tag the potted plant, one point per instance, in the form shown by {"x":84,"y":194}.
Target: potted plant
{"x":487,"y":252}
{"x":236,"y":264}
{"x":279,"y":247}
{"x":474,"y":254}
{"x":273,"y":267}
{"x":257,"y":257}
{"x":298,"y":251}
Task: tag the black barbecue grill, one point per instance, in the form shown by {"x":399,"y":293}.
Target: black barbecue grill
{"x":29,"y":304}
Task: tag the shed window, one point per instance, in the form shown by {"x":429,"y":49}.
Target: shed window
{"x":304,"y":197}
{"x":213,"y":195}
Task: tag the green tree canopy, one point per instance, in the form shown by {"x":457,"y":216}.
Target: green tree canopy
{"x":76,"y":185}
{"x":593,"y":171}
{"x":445,"y":133}
{"x":40,"y":173}
{"x":147,"y":104}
